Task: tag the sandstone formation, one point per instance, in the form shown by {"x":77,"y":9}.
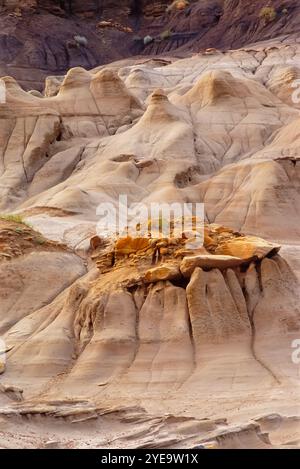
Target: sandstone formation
{"x":231,"y":141}
{"x":134,"y":340}
{"x":151,"y":327}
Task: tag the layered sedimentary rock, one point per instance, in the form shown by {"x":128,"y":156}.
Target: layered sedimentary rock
{"x":32,"y":126}
{"x":153,"y":330}
{"x":205,"y":134}
{"x":33,"y":272}
{"x":129,"y":331}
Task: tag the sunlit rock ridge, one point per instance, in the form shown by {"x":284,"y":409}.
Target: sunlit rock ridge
{"x":147,"y":342}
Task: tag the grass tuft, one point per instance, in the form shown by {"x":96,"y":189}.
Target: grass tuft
{"x":13,"y":218}
{"x":268,"y":14}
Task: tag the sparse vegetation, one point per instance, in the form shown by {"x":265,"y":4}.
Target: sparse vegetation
{"x":40,"y":241}
{"x":268,"y":14}
{"x":19,"y":230}
{"x":14,"y":218}
{"x":81,"y":41}
{"x":147,"y":40}
{"x":178,"y":5}
{"x":166,"y":34}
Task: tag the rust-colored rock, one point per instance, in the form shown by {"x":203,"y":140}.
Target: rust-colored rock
{"x":162,"y":272}
{"x":210,"y":261}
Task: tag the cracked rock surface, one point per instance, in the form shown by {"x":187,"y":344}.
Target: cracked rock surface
{"x":139,"y":341}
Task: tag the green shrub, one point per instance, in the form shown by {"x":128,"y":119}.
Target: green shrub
{"x":147,"y":40}
{"x":166,"y":34}
{"x":81,"y":41}
{"x":179,"y":5}
{"x":268,"y":14}
{"x":40,"y":241}
{"x":13,"y":218}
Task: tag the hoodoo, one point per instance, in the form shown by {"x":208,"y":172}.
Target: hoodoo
{"x":149,"y":225}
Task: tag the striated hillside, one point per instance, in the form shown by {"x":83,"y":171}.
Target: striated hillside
{"x":121,"y":341}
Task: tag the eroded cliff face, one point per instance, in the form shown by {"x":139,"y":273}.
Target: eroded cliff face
{"x":103,"y":330}
{"x":105,"y":8}
{"x":156,"y":337}
{"x":223,"y":137}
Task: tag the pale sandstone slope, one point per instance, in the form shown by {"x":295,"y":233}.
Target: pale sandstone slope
{"x":124,"y":336}
{"x":156,"y":341}
{"x":232,"y":142}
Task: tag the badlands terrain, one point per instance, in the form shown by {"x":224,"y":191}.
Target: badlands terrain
{"x":151,"y":342}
